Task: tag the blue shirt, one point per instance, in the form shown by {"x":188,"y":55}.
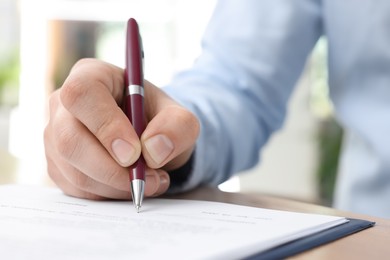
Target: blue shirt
{"x":254,"y":52}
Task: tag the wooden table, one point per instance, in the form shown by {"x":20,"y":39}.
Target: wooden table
{"x":372,"y":243}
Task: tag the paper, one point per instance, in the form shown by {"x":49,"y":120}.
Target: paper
{"x":42,"y":223}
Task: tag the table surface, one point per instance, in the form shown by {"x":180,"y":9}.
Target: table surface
{"x":372,"y":243}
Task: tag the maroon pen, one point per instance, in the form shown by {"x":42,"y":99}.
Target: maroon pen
{"x":134,"y":105}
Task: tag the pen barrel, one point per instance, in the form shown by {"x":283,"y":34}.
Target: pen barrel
{"x":137,"y":113}
{"x":137,"y":170}
{"x":134,"y":54}
{"x":134,"y":93}
{"x":134,"y":104}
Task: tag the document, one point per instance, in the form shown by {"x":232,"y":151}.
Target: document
{"x":43,"y":223}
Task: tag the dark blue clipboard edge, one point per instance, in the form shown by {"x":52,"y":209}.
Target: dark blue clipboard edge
{"x":306,"y":243}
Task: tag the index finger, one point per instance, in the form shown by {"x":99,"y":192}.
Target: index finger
{"x":92,"y":93}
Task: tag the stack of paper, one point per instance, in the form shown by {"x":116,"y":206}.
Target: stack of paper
{"x":42,"y":223}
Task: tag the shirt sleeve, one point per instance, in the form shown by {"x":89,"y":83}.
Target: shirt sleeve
{"x":253,"y":52}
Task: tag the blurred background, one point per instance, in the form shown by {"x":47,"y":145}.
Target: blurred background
{"x":42,"y":39}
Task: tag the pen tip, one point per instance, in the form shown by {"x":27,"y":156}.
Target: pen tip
{"x":137,"y":208}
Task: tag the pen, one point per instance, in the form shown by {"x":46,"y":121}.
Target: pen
{"x":134,"y":105}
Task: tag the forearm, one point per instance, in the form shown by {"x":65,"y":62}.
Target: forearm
{"x":239,"y":86}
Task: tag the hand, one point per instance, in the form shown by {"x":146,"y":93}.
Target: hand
{"x":89,"y":142}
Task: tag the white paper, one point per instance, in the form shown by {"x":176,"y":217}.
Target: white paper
{"x":42,"y":223}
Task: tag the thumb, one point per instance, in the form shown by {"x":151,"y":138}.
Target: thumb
{"x":170,"y":136}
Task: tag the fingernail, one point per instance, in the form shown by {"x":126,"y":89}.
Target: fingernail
{"x":151,"y":184}
{"x":159,"y":148}
{"x":123,"y":151}
{"x":164,"y":183}
{"x":156,"y":183}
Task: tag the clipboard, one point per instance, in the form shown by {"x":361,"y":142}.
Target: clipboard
{"x":315,"y":240}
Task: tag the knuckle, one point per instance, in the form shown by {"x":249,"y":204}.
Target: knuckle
{"x":102,"y":127}
{"x":52,"y":170}
{"x":73,"y":91}
{"x":67,"y":143}
{"x":193,"y":122}
{"x":110,"y":177}
{"x":47,"y":135}
{"x":188,"y":120}
{"x":84,"y":61}
{"x":76,"y":86}
{"x":48,"y":128}
{"x":53,"y":101}
{"x":81,"y":181}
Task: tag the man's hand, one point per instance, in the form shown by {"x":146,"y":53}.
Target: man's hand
{"x":89,"y":142}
